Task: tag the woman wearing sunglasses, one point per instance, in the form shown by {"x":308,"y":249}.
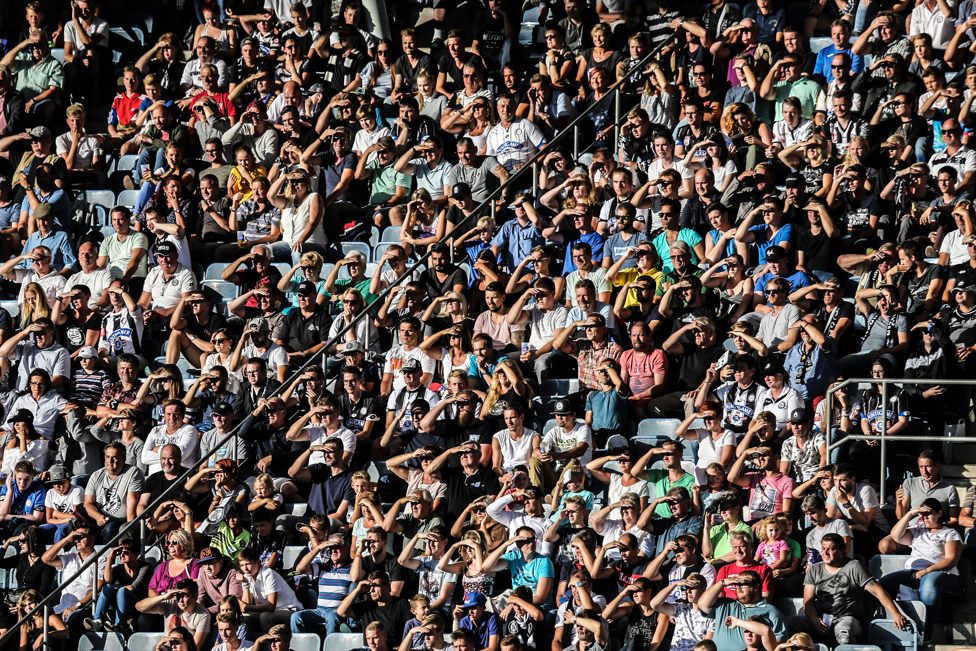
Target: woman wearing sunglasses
{"x":26,"y":565}
{"x":715,"y":443}
{"x":32,"y":632}
{"x":126,"y":583}
{"x":472,"y":551}
{"x":421,"y":478}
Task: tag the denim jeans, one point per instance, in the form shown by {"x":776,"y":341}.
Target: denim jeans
{"x":281,"y":251}
{"x":323,"y":621}
{"x":58,"y":531}
{"x":115,"y":602}
{"x":930,"y":590}
{"x":863,"y":17}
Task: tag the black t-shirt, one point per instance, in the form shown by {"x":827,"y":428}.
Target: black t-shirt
{"x":490,"y":34}
{"x":455,"y":435}
{"x":155,"y":484}
{"x":300,"y":333}
{"x":408,"y":72}
{"x":393,"y":616}
{"x":694,"y":363}
{"x":73,"y":333}
{"x":918,"y":287}
{"x":249,"y":279}
{"x":856,"y":213}
{"x":435,"y":287}
{"x":820,"y":252}
{"x":390,"y":565}
{"x":356,"y":415}
{"x":206,"y":330}
{"x":963,"y":274}
{"x":463,"y":489}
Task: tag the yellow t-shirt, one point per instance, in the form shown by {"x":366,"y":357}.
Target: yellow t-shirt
{"x":625,"y":276}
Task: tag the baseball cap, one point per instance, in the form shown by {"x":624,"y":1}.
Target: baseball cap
{"x":411,"y":365}
{"x":306,"y":288}
{"x":315,"y":89}
{"x":259,"y":323}
{"x":210,"y":555}
{"x":39,"y":133}
{"x":223,"y":409}
{"x":795,"y":181}
{"x":617,"y":444}
{"x":88,"y":352}
{"x":56,"y":474}
{"x":563,"y":408}
{"x":461,"y":190}
{"x":22,"y":416}
{"x":165,"y":248}
{"x":353,"y":347}
{"x":775,"y":253}
{"x":799,"y":416}
{"x":474,"y":599}
{"x":965,"y":288}
{"x":773,"y":368}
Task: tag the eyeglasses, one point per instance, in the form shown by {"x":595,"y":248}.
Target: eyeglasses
{"x":171,"y":542}
{"x":549,"y":37}
{"x":774,"y":291}
{"x":383,"y":52}
{"x":840,"y":67}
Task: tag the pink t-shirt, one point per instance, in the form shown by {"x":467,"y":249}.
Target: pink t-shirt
{"x":769,"y":551}
{"x":642,"y":367}
{"x":766,"y":494}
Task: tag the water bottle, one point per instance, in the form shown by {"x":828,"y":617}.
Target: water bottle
{"x":544,"y":448}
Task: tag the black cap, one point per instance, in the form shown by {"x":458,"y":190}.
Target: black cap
{"x":306,"y":288}
{"x":411,"y":365}
{"x":165,"y":248}
{"x":774,"y":253}
{"x":773,"y":368}
{"x":22,"y":416}
{"x":563,"y":408}
{"x":795,"y":181}
{"x":461,"y":190}
{"x":223,"y":409}
{"x":799,"y":416}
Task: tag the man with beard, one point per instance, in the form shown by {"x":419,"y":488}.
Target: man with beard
{"x":467,"y":483}
{"x":192,"y":329}
{"x":644,"y":369}
{"x":259,"y":385}
{"x":441,"y":275}
{"x":122,"y":394}
{"x":466,"y":427}
{"x":171,"y":432}
{"x":331,"y":492}
{"x":266,"y":430}
{"x":261,"y":347}
{"x":492,"y":326}
{"x":260,"y":274}
{"x":411,"y":128}
{"x":749,"y":190}
{"x":410,"y":303}
{"x":112,"y":493}
{"x":474,"y":171}
{"x":747,"y":602}
{"x":626,"y":566}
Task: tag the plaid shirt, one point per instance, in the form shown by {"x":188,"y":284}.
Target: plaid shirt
{"x":590,"y":356}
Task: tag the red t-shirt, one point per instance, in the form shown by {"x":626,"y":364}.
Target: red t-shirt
{"x":732,"y":569}
{"x":125,"y":109}
{"x":227,"y":107}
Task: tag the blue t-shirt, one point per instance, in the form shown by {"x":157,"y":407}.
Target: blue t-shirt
{"x":796,"y":280}
{"x":528,"y":574}
{"x":595,"y":240}
{"x":586,"y":495}
{"x":28,"y":501}
{"x":491,"y":626}
{"x":763,"y":240}
{"x":609,"y":409}
{"x":475,"y":372}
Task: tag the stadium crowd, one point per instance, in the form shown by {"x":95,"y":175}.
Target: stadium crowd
{"x":768,"y":221}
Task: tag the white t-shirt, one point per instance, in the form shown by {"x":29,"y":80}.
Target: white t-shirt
{"x":657,"y":166}
{"x":710,"y":450}
{"x":396,"y":359}
{"x":557,"y":440}
{"x":318,"y":436}
{"x":186,"y":438}
{"x":52,"y":284}
{"x":245,"y":646}
{"x":928,"y":548}
{"x":954,"y":247}
{"x":544,"y":324}
{"x":268,"y":581}
{"x":167,"y":293}
{"x":613,"y":529}
{"x":98,"y":26}
{"x":515,"y":453}
{"x":782,"y":407}
{"x":618,"y":490}
{"x":865,"y":497}
{"x":97,"y":281}
{"x":65,"y":503}
{"x":514,"y":145}
{"x":364,"y":139}
{"x":88,"y":148}
{"x":275,"y":355}
{"x":75,"y":591}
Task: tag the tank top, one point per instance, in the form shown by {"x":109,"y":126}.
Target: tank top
{"x":640,"y":629}
{"x":294,"y":219}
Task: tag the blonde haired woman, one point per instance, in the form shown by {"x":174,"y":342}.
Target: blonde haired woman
{"x":181,"y":564}
{"x":579,"y":184}
{"x":301,"y":216}
{"x":659,"y":97}
{"x":474,"y":122}
{"x":423,"y":225}
{"x":810,"y":159}
{"x":165,"y":60}
{"x":471,"y":550}
{"x":368,"y":513}
{"x":857,"y":151}
{"x":447,"y":311}
{"x":310,"y":265}
{"x":35,"y":305}
{"x":507,"y":385}
{"x":457,"y":353}
{"x":32,"y":632}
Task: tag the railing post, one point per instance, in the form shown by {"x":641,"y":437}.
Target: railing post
{"x":47,"y":640}
{"x":575,"y":143}
{"x":535,"y":179}
{"x":829,"y":414}
{"x":884,"y":439}
{"x":616,"y":118}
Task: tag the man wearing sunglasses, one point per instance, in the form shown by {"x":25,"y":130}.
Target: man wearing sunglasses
{"x":166,"y":284}
{"x":304,"y":330}
{"x":333,"y":577}
{"x":527,"y":566}
{"x":77,"y":594}
{"x":770,"y":490}
{"x":372,"y":600}
{"x":747,"y":602}
{"x":39,"y":270}
{"x":40,"y":75}
{"x":193,"y":324}
{"x":464,"y":475}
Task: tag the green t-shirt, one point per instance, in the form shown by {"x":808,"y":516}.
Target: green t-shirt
{"x":804,"y":89}
{"x":119,"y":253}
{"x":385,"y":181}
{"x":719,"y":537}
{"x":658,"y":477}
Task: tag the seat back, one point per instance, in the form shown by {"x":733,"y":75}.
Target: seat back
{"x":99,"y":197}
{"x":362,"y":247}
{"x":305,"y":642}
{"x":789,"y":606}
{"x":292,"y":555}
{"x":390,"y":234}
{"x":658,"y":427}
{"x":884,"y":564}
{"x":144,"y":641}
{"x":214,"y":270}
{"x":884,"y":633}
{"x":342,"y":642}
{"x":856,"y":647}
{"x":102,"y":642}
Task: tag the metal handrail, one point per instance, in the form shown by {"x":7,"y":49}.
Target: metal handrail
{"x":487,"y":204}
{"x":883,"y":437}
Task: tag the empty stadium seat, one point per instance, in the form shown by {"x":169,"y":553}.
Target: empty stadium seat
{"x":127,"y":197}
{"x":362,"y":247}
{"x":390,"y":234}
{"x":58,"y":54}
{"x":99,"y":197}
{"x":126,"y":163}
{"x":857,"y":647}
{"x":818,"y":43}
{"x":306,"y":642}
{"x":101,"y":642}
{"x":282,"y":267}
{"x":884,"y":633}
{"x":107,"y":232}
{"x":11,"y":306}
{"x":374,"y":236}
{"x":789,"y":606}
{"x":658,"y":427}
{"x":144,"y":641}
{"x":213,"y":271}
{"x":341,"y":642}
{"x":884,"y":564}
{"x":553,"y":389}
{"x":228,"y":290}
{"x":293,"y":554}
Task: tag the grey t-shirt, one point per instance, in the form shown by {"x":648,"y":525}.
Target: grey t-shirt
{"x":840,"y":594}
{"x":918,"y":490}
{"x":876,"y":336}
{"x":110,"y":495}
{"x":816,"y":534}
{"x":476,"y":177}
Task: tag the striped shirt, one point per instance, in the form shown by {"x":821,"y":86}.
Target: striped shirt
{"x":88,"y":387}
{"x":334,"y":583}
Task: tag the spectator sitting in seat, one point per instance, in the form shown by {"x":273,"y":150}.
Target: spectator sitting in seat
{"x":179,"y":607}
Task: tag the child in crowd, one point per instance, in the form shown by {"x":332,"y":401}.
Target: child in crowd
{"x":773,"y":551}
{"x":89,"y":381}
{"x":231,"y":536}
{"x":265,"y":495}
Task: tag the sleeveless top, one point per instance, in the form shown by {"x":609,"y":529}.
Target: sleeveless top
{"x":294,"y":219}
{"x":640,"y":629}
{"x":483,"y":583}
